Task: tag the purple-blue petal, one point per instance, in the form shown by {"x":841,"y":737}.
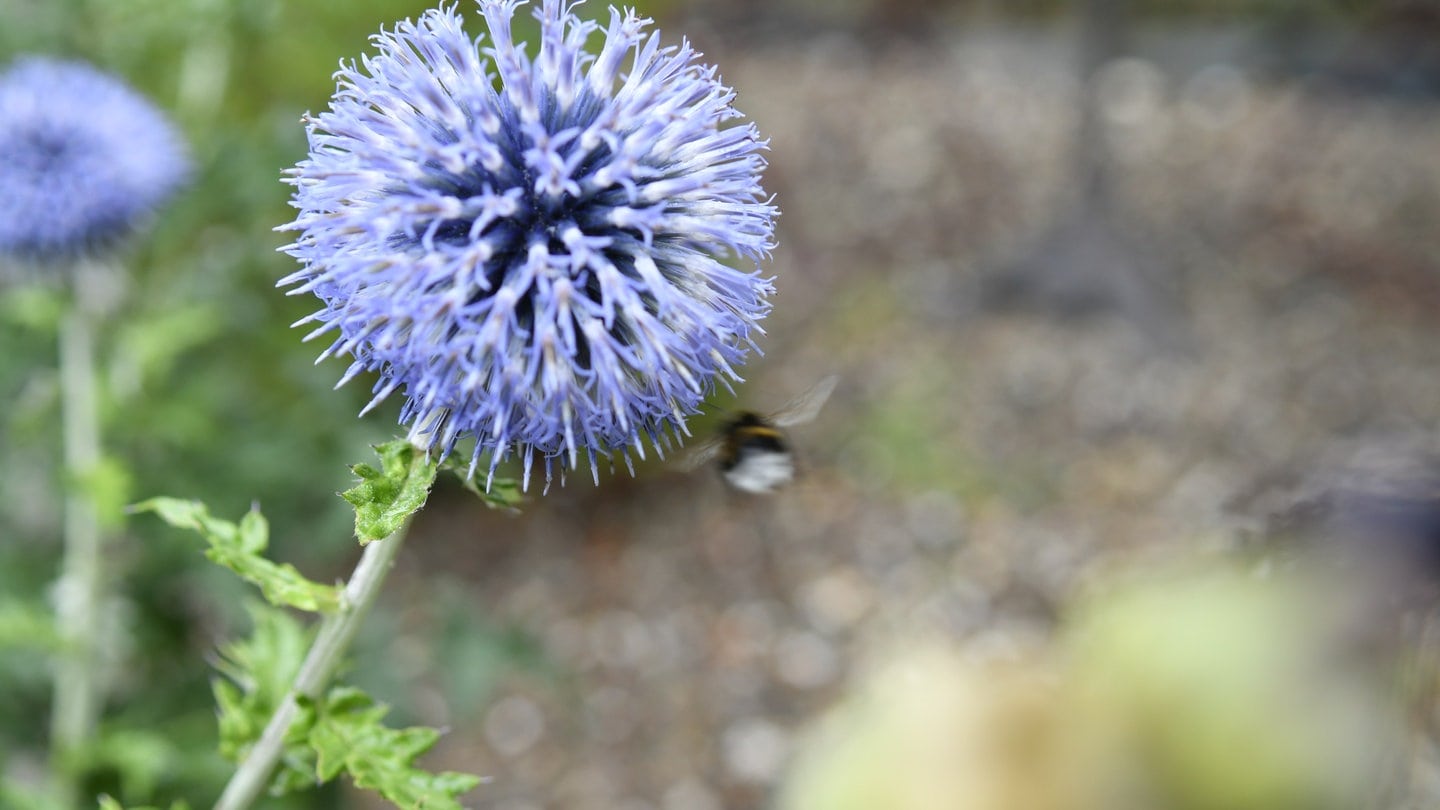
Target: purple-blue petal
{"x":84,"y":159}
{"x":534,"y":252}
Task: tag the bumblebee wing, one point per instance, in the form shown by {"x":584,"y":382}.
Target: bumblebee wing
{"x":702,"y":454}
{"x":806,"y":407}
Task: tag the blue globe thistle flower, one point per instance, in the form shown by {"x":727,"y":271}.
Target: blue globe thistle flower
{"x":83,"y":160}
{"x":534,"y":250}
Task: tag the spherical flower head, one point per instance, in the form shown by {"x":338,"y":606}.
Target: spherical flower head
{"x":536,"y":252}
{"x":84,"y":160}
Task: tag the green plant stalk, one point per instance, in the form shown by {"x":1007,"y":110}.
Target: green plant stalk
{"x":76,"y":707}
{"x":331,"y":642}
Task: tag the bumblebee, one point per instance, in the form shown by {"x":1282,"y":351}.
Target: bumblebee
{"x":754,"y":452}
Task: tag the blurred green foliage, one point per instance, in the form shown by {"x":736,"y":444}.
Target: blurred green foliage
{"x":1201,"y":688}
{"x":240,"y":547}
{"x":208,"y":395}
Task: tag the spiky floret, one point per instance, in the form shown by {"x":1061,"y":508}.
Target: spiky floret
{"x":83,"y":160}
{"x":534,"y":251}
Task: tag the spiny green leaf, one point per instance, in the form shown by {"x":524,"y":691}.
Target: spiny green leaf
{"x":503,"y":493}
{"x":386,"y":497}
{"x":348,"y":736}
{"x":240,"y":547}
{"x":254,"y":532}
{"x":257,"y":674}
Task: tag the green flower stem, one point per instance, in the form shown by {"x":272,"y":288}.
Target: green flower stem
{"x":76,"y":707}
{"x":336,"y":633}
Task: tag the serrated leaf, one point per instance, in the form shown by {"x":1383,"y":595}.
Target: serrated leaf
{"x":297,"y":766}
{"x":257,"y":673}
{"x":240,"y":548}
{"x":386,"y":497}
{"x":254,"y":532}
{"x":503,"y":493}
{"x":348,"y":736}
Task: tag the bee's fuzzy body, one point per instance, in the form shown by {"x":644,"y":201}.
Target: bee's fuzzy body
{"x":755,"y":456}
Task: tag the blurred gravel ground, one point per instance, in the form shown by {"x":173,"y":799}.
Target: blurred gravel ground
{"x":974,"y":468}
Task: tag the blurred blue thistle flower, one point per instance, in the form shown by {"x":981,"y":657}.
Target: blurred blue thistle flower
{"x":533,"y":250}
{"x":83,"y":160}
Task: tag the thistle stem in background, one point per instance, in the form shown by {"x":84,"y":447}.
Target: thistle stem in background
{"x":77,"y":696}
{"x":331,"y":642}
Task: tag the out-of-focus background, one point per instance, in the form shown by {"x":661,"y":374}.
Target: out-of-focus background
{"x":1099,"y":278}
